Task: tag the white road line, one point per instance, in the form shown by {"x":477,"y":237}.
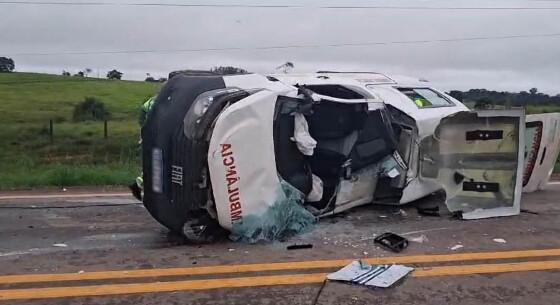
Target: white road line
{"x":554,"y":183}
{"x":55,"y":196}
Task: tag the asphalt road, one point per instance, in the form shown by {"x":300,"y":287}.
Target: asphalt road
{"x":108,"y":250}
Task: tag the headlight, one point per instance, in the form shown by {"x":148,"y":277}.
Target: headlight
{"x":199,"y":108}
{"x":201,"y":105}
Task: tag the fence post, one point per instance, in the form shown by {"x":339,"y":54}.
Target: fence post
{"x":51,"y":130}
{"x":105,"y":132}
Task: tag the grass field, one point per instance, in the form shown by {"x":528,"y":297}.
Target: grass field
{"x":79,"y":154}
{"x":542,"y":109}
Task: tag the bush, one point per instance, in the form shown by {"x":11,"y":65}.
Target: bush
{"x":7,"y":64}
{"x":483,"y":103}
{"x":91,"y":109}
{"x":114,"y":74}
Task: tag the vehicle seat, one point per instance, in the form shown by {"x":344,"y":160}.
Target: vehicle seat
{"x":291,"y":164}
{"x":335,"y":128}
{"x":331,"y":154}
{"x":331,"y":120}
{"x":375,"y":141}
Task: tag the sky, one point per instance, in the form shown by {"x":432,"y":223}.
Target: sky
{"x":40,"y":37}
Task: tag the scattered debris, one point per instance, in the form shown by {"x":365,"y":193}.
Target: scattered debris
{"x":284,"y":218}
{"x":60,"y":245}
{"x":401,"y":212}
{"x":419,"y":239}
{"x":425,"y":231}
{"x":298,"y":247}
{"x":392,"y":241}
{"x":456,"y":247}
{"x":382,"y":216}
{"x":231,"y":249}
{"x":500,"y":240}
{"x":428,"y":211}
{"x":81,"y":271}
{"x":363,"y":238}
{"x":362,"y":273}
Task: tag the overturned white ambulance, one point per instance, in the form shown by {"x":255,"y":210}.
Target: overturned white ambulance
{"x":264,"y":156}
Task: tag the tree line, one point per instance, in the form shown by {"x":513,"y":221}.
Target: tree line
{"x":113,"y":74}
{"x":483,"y":98}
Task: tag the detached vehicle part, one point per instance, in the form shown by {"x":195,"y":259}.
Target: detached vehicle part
{"x":392,"y":241}
{"x":478,"y":159}
{"x":542,"y":146}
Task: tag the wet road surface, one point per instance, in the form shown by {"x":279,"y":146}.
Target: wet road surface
{"x":108,"y":250}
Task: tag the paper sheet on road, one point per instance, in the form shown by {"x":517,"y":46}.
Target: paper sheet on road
{"x":383,"y":276}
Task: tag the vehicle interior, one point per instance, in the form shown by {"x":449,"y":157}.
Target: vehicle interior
{"x":350,"y":138}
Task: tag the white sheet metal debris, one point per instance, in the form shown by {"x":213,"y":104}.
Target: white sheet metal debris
{"x":542,"y":146}
{"x":419,"y":239}
{"x":359,"y":272}
{"x":456,"y":247}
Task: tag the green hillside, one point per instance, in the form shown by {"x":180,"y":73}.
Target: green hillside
{"x":79,"y":154}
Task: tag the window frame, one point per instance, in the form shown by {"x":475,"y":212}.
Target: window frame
{"x":363,"y":94}
{"x":441,"y":95}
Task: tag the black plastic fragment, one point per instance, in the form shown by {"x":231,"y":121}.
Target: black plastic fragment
{"x":543,"y":155}
{"x":428,"y":211}
{"x":298,"y":247}
{"x":392,"y":241}
{"x":458,"y":177}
